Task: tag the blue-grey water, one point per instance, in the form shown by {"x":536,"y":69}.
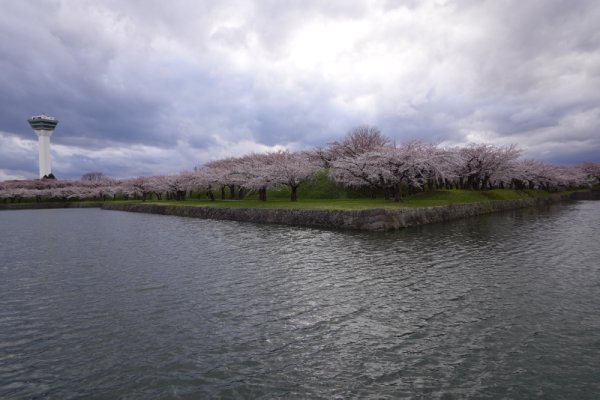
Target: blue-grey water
{"x":108,"y":305}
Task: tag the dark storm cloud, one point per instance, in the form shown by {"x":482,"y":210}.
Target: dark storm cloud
{"x":64,"y":72}
{"x":18,"y":161}
{"x":145,"y":87}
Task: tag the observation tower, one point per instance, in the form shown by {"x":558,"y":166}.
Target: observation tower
{"x":43,"y":125}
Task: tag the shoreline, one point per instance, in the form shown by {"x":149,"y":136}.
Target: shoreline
{"x":51,"y":205}
{"x":378,"y":219}
{"x":366,"y":220}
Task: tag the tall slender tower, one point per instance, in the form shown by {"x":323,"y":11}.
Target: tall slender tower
{"x":43,"y":125}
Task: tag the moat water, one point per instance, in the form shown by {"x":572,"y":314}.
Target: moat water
{"x":106,"y":304}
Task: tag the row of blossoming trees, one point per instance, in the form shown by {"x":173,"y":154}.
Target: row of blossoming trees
{"x":364,"y":159}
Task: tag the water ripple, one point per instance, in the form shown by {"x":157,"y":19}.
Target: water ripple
{"x":119,"y":305}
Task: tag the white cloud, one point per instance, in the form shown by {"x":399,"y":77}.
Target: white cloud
{"x":136,"y":85}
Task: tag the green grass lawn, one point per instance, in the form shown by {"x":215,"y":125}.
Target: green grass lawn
{"x":437,"y":198}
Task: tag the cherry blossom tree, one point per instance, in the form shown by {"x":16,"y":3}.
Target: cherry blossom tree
{"x":177,"y":186}
{"x":592,"y":170}
{"x":92,"y":176}
{"x":531,"y":174}
{"x":357,"y":171}
{"x":253,"y":173}
{"x":569,"y":177}
{"x":141,"y":186}
{"x":390,"y":167}
{"x":223,"y":171}
{"x":359,"y":140}
{"x":209,"y":178}
{"x":481,"y":163}
{"x":283,"y":168}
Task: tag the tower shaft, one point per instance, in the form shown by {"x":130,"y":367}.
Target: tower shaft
{"x":44,"y":153}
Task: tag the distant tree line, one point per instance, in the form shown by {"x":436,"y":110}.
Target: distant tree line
{"x":364,"y":159}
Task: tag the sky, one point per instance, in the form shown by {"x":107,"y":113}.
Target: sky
{"x":149,"y":87}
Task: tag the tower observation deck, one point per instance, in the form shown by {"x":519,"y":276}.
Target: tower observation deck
{"x":43,"y":125}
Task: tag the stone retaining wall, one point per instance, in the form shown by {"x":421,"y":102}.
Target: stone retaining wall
{"x":370,"y":220}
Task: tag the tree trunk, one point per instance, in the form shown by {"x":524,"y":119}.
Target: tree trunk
{"x":397,"y":193}
{"x":262,"y":194}
{"x":470,"y":183}
{"x":232,"y":192}
{"x":294,"y":195}
{"x":484,"y":183}
{"x":430,"y":184}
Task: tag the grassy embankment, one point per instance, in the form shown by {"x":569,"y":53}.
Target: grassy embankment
{"x":280,"y":200}
{"x":426,"y":199}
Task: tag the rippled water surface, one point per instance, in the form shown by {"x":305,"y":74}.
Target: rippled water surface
{"x":105,"y":304}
